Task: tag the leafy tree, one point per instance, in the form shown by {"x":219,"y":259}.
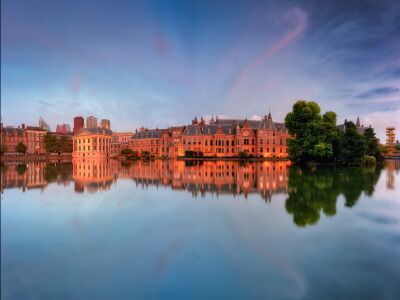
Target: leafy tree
{"x":20,"y":148}
{"x":315,"y":136}
{"x":63,"y":145}
{"x":127,"y":151}
{"x":353,"y":146}
{"x":50,"y":143}
{"x":373,"y":148}
{"x":4,"y":148}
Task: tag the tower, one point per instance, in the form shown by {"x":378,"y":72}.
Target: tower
{"x":390,"y":138}
{"x":105,"y":124}
{"x":79,"y":123}
{"x":91,"y":122}
{"x":358,"y":123}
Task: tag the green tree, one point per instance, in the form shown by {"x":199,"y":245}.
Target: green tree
{"x":315,"y":135}
{"x":50,"y":143}
{"x":4,"y":148}
{"x":20,"y":148}
{"x":63,"y":145}
{"x":353,"y":146}
{"x":127,"y":151}
{"x":373,"y":148}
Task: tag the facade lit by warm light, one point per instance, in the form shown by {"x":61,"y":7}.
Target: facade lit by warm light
{"x":92,"y":143}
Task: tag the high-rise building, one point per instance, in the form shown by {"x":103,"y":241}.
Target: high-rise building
{"x":79,"y":123}
{"x":63,"y":129}
{"x":43,"y":124}
{"x":91,"y":122}
{"x":105,"y":124}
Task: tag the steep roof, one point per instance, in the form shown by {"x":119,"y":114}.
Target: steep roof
{"x":147,"y":134}
{"x":12,"y":130}
{"x":267,"y":123}
{"x":193,"y":129}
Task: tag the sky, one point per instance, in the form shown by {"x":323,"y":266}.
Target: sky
{"x":160,"y":63}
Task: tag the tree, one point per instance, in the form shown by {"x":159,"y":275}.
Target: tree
{"x":50,"y":143}
{"x":373,"y":148}
{"x":63,"y":145}
{"x":353,"y":146}
{"x":4,"y":148}
{"x":315,"y":136}
{"x":20,"y":148}
{"x":127,"y":151}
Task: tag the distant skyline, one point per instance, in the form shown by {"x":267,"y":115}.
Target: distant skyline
{"x":160,"y":63}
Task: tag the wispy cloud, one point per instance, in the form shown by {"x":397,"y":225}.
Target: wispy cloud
{"x":380,"y":91}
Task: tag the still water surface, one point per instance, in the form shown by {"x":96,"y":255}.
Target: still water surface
{"x":215,"y":230}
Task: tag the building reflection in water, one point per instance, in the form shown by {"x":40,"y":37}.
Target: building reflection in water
{"x":30,"y":175}
{"x":199,"y":178}
{"x":393,"y":168}
{"x":308,"y":192}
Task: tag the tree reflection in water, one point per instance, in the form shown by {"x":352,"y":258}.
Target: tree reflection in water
{"x":311,"y":191}
{"x":308,"y":191}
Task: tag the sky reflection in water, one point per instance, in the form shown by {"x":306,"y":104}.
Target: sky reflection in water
{"x":102,"y":229}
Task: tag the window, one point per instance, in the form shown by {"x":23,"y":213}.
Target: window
{"x":227,"y":143}
{"x":261,"y":149}
{"x":252,"y":141}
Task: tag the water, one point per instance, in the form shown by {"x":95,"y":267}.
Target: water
{"x":170,"y":230}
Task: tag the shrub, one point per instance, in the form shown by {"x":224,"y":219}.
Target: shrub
{"x":369,"y":160}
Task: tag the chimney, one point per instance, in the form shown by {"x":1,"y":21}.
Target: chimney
{"x":23,"y":126}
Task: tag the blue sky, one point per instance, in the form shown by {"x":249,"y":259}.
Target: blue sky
{"x":159,"y":63}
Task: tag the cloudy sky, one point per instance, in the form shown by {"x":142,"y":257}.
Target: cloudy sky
{"x":160,"y":63}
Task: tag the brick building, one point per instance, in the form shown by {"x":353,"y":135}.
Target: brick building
{"x":79,"y":123}
{"x":11,"y":136}
{"x":35,"y":140}
{"x":219,"y":138}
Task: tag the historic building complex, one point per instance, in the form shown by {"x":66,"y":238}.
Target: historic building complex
{"x":219,"y":138}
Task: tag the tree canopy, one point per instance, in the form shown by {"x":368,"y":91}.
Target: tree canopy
{"x":20,"y":148}
{"x":317,"y":138}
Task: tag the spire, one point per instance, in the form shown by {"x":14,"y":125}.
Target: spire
{"x":269,"y":113}
{"x":358,"y":124}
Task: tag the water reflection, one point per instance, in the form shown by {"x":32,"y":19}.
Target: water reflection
{"x":308,"y":191}
{"x":313,"y":191}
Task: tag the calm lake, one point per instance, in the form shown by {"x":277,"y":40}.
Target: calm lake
{"x":211,"y":230}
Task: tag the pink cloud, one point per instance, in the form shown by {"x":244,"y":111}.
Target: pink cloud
{"x":298,"y":18}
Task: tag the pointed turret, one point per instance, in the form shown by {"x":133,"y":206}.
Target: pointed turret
{"x":269,"y":114}
{"x":358,"y":124}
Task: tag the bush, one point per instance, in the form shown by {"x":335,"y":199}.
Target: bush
{"x":243,"y":154}
{"x":369,"y":160}
{"x":127,"y":151}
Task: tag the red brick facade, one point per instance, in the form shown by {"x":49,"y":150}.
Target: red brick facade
{"x":219,"y":138}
